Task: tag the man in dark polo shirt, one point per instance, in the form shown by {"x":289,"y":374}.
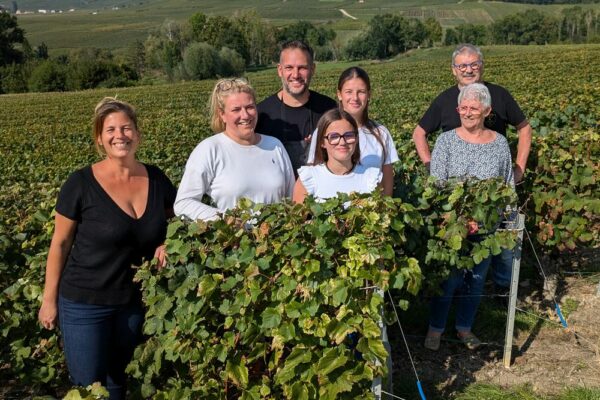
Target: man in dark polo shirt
{"x":467,"y":67}
{"x":291,"y":114}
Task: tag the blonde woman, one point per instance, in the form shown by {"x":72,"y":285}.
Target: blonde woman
{"x":236,"y":162}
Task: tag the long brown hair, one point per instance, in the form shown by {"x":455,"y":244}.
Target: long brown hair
{"x":336,"y":114}
{"x":370,"y":126}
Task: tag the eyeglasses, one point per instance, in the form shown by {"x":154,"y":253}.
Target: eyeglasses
{"x":465,"y":110}
{"x":334,"y":137}
{"x":475,"y":66}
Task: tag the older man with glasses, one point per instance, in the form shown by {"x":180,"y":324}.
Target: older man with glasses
{"x":467,"y":67}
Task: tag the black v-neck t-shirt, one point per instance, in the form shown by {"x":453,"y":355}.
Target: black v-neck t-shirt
{"x":108,"y":241}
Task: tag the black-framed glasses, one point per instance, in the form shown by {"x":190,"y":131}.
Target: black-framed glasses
{"x":334,"y":137}
{"x":475,"y":66}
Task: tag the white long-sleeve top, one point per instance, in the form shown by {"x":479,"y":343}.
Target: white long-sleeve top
{"x":227,"y":171}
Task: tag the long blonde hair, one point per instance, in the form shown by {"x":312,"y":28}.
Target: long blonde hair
{"x":224,"y":88}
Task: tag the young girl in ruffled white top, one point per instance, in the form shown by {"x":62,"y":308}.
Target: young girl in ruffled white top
{"x":336,"y":167}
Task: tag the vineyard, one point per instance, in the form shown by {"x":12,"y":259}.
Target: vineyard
{"x":269,"y":315}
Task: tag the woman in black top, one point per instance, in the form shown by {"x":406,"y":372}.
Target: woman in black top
{"x":109,"y":216}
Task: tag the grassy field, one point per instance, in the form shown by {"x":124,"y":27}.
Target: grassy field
{"x":96,"y":24}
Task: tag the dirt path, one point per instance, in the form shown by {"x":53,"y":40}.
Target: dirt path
{"x":548,"y":357}
{"x":345,"y":13}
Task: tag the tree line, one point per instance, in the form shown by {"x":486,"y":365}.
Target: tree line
{"x":215,"y":46}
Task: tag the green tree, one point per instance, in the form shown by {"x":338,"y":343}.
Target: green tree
{"x":451,"y":37}
{"x":388,"y":34}
{"x":200,"y":61}
{"x":11,"y":36}
{"x":231,"y":62}
{"x":472,"y":33}
{"x":221,"y":32}
{"x":434,"y":30}
{"x":197,"y":24}
{"x":259,"y":36}
{"x":13,"y":78}
{"x":48,"y":76}
{"x":41,"y":52}
{"x":418,"y":33}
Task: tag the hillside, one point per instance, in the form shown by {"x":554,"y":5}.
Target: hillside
{"x":100,"y":24}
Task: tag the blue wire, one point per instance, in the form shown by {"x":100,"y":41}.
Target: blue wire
{"x":421,"y":390}
{"x":562,"y":319}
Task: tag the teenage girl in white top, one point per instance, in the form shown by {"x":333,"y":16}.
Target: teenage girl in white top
{"x":336,"y":167}
{"x":376,"y":145}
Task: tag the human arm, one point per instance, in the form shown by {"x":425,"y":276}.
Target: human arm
{"x":195,"y":183}
{"x":300,"y":192}
{"x":523,"y":147}
{"x":387,"y":182}
{"x":420,"y":139}
{"x":60,"y":246}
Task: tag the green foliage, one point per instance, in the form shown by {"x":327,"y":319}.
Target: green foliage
{"x":48,"y":76}
{"x":265,"y":311}
{"x":564,"y":190}
{"x":92,"y":392}
{"x":231,"y":62}
{"x":200,"y":61}
{"x":11,"y":35}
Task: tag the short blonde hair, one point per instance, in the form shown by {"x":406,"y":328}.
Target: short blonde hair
{"x":224,"y":88}
{"x":104,"y":108}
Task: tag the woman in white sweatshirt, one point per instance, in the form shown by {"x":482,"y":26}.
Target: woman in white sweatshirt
{"x":236,"y":162}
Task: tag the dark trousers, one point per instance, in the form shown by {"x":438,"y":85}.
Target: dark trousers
{"x":99,"y":342}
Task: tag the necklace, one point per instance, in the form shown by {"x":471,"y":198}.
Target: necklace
{"x":344,"y":173}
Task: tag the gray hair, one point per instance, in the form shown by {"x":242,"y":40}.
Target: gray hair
{"x":476,"y":91}
{"x":467,"y":48}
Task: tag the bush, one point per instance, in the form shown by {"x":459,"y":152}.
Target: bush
{"x":48,"y":76}
{"x":200,"y":61}
{"x":231,"y":62}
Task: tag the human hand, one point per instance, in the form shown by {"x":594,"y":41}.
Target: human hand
{"x":472,"y":227}
{"x":518,"y":173}
{"x":161,"y":255}
{"x":47,"y":314}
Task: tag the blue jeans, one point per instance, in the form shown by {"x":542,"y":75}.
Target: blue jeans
{"x":99,"y":342}
{"x":502,"y":268}
{"x":468,"y":284}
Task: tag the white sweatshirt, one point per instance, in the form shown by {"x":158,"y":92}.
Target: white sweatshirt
{"x":227,"y":171}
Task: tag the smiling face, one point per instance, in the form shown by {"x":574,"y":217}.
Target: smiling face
{"x":295,"y":70}
{"x":354,"y":97}
{"x":472,"y":113}
{"x":119,"y":137}
{"x":239,"y":116}
{"x":470,"y":75}
{"x":342,"y":151}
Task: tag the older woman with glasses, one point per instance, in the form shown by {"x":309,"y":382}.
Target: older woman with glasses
{"x":336,"y":168}
{"x":236,"y":162}
{"x":470,"y":150}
